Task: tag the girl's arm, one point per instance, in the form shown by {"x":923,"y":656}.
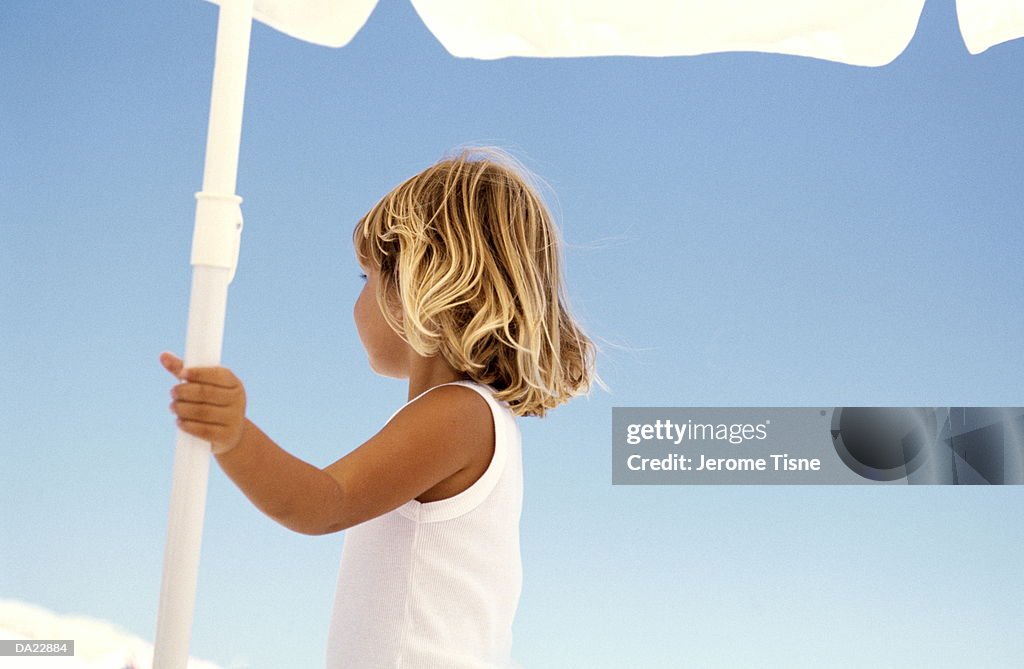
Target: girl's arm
{"x":430,"y":440}
{"x":291,"y":491}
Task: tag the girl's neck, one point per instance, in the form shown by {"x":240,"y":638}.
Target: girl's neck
{"x":425,"y":373}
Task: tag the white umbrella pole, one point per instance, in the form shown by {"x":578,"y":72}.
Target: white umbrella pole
{"x":215,"y":242}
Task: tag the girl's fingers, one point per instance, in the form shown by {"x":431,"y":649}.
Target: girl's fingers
{"x":205,"y":393}
{"x":171,"y":363}
{"x":209,"y":403}
{"x":205,"y":431}
{"x":216,"y":376}
{"x":200,"y":413}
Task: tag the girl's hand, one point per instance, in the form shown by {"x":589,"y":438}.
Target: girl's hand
{"x":209,"y":403}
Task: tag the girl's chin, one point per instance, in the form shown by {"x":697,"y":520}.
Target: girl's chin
{"x":389,"y":371}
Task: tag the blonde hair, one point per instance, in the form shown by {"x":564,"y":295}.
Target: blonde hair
{"x":470,"y":269}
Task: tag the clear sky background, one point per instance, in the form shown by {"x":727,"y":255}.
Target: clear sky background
{"x":742,"y":229}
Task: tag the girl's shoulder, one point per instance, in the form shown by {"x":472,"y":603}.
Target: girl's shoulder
{"x":435,"y":446}
{"x":463,"y":405}
{"x":452,"y":393}
{"x":476,"y":386}
{"x":462,"y":412}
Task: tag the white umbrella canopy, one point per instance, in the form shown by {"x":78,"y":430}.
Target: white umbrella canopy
{"x":857,"y":32}
{"x":324,"y":22}
{"x":985,"y":23}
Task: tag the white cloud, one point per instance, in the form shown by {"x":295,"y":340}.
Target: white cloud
{"x":98,"y":644}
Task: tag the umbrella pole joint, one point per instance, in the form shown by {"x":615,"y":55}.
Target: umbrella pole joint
{"x":217,"y":236}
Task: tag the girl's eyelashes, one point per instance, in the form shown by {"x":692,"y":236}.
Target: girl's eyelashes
{"x":362,"y":276}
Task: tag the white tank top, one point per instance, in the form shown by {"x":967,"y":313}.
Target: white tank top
{"x":436,"y":584}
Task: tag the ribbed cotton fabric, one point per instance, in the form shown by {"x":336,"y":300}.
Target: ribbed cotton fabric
{"x":436,"y":584}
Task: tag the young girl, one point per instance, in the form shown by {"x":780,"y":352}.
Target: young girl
{"x":464,"y":298}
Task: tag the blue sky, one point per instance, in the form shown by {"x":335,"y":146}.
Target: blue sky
{"x":742,"y":229}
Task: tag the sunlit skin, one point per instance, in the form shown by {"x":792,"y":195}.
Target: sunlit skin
{"x":388,"y":353}
{"x":432,"y":449}
{"x":209,"y":403}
